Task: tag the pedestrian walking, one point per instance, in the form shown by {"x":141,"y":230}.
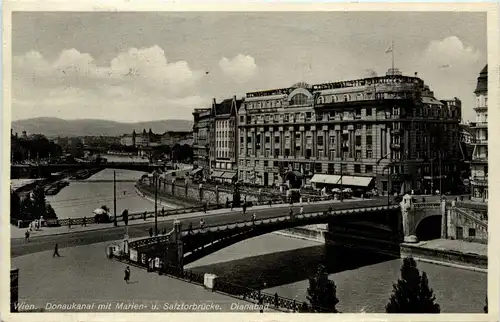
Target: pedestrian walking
{"x":69,"y":223}
{"x":301,"y":210}
{"x":254,"y":216}
{"x":227,"y":202}
{"x":144,"y":215}
{"x":127,"y":275}
{"x":84,"y":222}
{"x":205,"y":207}
{"x":27,"y":235}
{"x":150,"y":232}
{"x":56,"y":251}
{"x":202,"y":224}
{"x":244,"y":208}
{"x":270,"y":203}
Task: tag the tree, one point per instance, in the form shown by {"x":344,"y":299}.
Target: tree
{"x":412,"y":293}
{"x":26,"y":208}
{"x":50,"y":213}
{"x":39,"y":202}
{"x":322,"y":293}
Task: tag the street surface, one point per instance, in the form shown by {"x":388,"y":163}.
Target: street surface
{"x":84,"y":275}
{"x":40,"y":243}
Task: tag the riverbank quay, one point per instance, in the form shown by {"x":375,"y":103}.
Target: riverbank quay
{"x":447,"y":252}
{"x":137,"y":219}
{"x":86,"y":276}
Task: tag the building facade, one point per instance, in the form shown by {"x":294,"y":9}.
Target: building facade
{"x":224,"y":158}
{"x":479,"y":163}
{"x":202,"y":140}
{"x":386,"y":132}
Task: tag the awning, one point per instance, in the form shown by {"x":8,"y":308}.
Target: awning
{"x":217,"y":174}
{"x":195,"y":171}
{"x":228,"y":175}
{"x":344,"y":180}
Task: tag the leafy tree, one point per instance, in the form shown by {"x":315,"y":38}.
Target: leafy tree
{"x":412,"y":294}
{"x":50,"y":213}
{"x":26,"y":208}
{"x":39,"y":202}
{"x":322,"y":293}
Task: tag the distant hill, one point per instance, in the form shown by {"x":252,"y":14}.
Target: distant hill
{"x":51,"y":127}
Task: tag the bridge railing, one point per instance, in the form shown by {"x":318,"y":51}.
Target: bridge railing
{"x":418,"y":205}
{"x":243,"y":292}
{"x":161,"y":213}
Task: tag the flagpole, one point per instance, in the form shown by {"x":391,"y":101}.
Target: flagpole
{"x":392,"y":52}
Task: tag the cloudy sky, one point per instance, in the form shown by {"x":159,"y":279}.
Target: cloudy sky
{"x":148,"y":66}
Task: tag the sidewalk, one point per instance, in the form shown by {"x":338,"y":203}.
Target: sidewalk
{"x":461,"y":246}
{"x":46,"y":231}
{"x":84,"y":275}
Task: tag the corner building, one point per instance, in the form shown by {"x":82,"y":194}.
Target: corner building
{"x":388,"y":133}
{"x":202,"y":140}
{"x":479,"y":163}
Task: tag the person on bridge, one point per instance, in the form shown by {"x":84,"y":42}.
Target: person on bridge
{"x":150,"y":232}
{"x":270,"y":203}
{"x":27,"y":235}
{"x":227,"y":202}
{"x":301,"y":210}
{"x":330,"y":209}
{"x":291,"y":213}
{"x":244,"y":208}
{"x":84,"y":222}
{"x":254,"y":217}
{"x":69,"y":223}
{"x":205,"y":207}
{"x":144,"y":215}
{"x":127,"y":275}
{"x":56,"y":251}
{"x":202,"y":224}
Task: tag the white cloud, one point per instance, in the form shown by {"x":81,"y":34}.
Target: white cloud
{"x":240,"y":68}
{"x":451,"y":50}
{"x":139,"y":84}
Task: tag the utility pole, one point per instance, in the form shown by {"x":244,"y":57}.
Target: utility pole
{"x":114,"y":196}
{"x":156,"y":203}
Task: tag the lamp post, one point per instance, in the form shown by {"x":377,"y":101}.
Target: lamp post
{"x":156,"y":202}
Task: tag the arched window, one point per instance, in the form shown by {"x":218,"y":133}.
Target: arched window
{"x":359,"y":97}
{"x":347,"y":98}
{"x":299,"y":99}
{"x":334,"y":98}
{"x":278,"y":104}
{"x":321,"y":100}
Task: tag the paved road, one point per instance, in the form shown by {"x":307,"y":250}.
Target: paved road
{"x":19,"y":247}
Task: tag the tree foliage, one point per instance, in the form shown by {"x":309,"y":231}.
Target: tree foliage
{"x":32,"y":206}
{"x":322,"y":293}
{"x":412,"y":293}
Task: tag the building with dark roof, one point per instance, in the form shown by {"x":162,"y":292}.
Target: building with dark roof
{"x":224,"y":157}
{"x":479,"y":163}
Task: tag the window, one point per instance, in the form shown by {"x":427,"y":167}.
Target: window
{"x":472,"y":232}
{"x":368,"y":140}
{"x":276,"y":152}
{"x":277,"y":139}
{"x":318,"y":167}
{"x":332,"y":140}
{"x":358,"y":154}
{"x":369,"y":169}
{"x":347,"y":98}
{"x":268,"y":139}
{"x":368,"y":112}
{"x":309,"y":139}
{"x":369,"y":128}
{"x":369,"y":154}
{"x":320,"y":139}
{"x":357,"y":168}
{"x":320,"y":153}
{"x":358,"y":140}
{"x":298,"y":99}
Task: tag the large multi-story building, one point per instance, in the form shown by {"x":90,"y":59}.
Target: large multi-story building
{"x":479,"y":163}
{"x":224,"y":155}
{"x":202,"y":140}
{"x":351,"y":133}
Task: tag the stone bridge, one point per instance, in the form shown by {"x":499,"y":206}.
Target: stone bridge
{"x":381,"y":228}
{"x":45,"y":169}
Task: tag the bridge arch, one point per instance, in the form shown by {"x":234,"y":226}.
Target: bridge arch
{"x":428,"y":228}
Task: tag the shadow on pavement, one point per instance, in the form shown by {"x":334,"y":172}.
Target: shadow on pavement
{"x":288,"y":267}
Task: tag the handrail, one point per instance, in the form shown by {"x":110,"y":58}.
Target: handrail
{"x":471,"y":217}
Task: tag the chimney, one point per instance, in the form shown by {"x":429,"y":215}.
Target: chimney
{"x":416,"y":74}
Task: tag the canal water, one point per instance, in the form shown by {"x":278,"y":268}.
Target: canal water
{"x":280,"y":264}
